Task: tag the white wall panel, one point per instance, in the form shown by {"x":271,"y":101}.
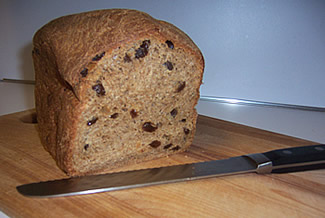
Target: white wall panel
{"x":260,"y":50}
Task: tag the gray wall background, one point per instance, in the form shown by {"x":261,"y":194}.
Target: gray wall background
{"x":259,"y":50}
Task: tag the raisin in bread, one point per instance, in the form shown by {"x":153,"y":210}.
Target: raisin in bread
{"x":114,"y":87}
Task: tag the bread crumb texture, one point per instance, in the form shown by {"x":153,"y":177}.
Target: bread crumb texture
{"x":125,"y":99}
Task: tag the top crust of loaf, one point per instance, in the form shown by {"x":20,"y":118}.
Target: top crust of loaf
{"x":75,"y":39}
{"x":65,"y":46}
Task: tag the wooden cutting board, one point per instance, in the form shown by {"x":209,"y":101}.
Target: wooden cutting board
{"x":23,"y":160}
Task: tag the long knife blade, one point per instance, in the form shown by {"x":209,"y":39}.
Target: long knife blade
{"x":283,"y":160}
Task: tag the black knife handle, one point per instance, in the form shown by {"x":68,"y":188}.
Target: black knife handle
{"x":297,"y":158}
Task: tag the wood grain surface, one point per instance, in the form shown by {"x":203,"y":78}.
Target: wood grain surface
{"x":23,"y":160}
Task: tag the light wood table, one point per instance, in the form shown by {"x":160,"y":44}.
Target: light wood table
{"x":23,"y":160}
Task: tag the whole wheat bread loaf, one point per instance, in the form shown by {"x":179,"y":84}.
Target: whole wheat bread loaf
{"x":114,"y":87}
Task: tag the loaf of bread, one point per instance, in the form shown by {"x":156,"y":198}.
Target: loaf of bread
{"x":114,"y":87}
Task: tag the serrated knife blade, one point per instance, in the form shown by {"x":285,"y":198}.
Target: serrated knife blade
{"x":276,"y":161}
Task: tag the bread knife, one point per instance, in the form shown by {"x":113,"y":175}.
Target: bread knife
{"x":277,"y":161}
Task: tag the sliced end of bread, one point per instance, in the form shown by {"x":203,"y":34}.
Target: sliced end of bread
{"x":139,"y":103}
